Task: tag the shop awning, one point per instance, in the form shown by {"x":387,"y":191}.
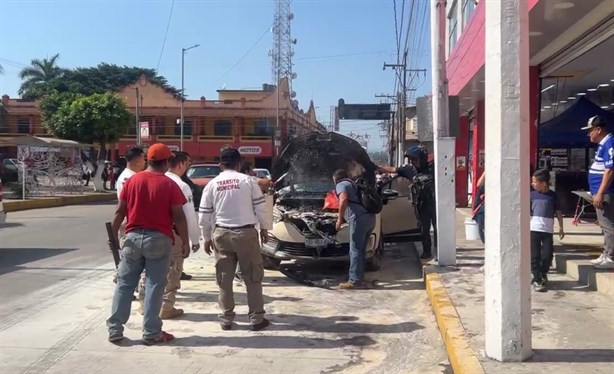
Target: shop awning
{"x":563,"y":131}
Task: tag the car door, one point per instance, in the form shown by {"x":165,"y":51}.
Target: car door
{"x":400,"y":221}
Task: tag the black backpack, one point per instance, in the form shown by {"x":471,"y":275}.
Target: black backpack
{"x":368,"y":196}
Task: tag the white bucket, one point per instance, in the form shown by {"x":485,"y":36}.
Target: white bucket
{"x":472,"y":232}
{"x":268,"y":203}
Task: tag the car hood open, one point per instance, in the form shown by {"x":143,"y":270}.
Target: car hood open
{"x":318,"y":155}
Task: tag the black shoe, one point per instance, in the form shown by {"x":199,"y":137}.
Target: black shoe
{"x":185,"y":277}
{"x":538,"y":285}
{"x":426,"y":256}
{"x":261,"y":326}
{"x":545,"y":279}
{"x":226,"y":327}
{"x":115,"y":337}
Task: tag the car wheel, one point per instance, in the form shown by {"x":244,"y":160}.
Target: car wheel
{"x":270,"y":263}
{"x":375,"y":263}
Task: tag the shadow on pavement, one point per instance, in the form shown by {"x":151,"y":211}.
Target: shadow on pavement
{"x":268,"y":342}
{"x":573,"y":355}
{"x":11,"y":258}
{"x":10,"y":224}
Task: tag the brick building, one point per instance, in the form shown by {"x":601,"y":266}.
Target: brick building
{"x":243,"y":119}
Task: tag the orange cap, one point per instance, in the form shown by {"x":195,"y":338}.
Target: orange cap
{"x":159,"y":152}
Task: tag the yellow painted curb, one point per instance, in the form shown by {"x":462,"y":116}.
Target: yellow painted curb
{"x":460,"y":354}
{"x":51,"y":202}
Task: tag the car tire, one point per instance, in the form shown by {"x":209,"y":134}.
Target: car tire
{"x":270,"y":263}
{"x":376,"y":262}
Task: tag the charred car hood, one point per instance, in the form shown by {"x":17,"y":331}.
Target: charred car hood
{"x":318,"y":155}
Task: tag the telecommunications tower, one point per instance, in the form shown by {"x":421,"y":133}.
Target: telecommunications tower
{"x":283,"y":44}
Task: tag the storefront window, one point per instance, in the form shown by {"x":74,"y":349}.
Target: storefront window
{"x":452,"y":28}
{"x":468,"y":8}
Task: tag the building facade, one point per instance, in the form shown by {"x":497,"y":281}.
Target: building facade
{"x":569,"y":42}
{"x":242,"y":119}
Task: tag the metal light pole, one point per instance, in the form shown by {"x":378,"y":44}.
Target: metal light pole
{"x":183,"y":51}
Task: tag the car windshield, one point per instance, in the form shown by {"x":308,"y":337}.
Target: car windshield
{"x":321,"y":186}
{"x":262,"y":173}
{"x":205,"y":171}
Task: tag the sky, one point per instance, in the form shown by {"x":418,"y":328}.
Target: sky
{"x":342,"y":45}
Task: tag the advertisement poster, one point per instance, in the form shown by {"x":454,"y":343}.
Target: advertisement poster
{"x":559,"y":159}
{"x":144,"y":130}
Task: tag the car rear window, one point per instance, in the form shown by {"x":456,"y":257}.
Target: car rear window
{"x":204,"y":171}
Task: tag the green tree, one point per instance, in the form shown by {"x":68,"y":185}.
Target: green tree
{"x":95,"y":119}
{"x":40,"y":77}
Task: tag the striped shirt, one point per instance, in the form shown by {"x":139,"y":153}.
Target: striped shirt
{"x":604,"y":159}
{"x":232,"y":199}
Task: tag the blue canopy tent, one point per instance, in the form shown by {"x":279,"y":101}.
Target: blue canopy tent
{"x":563,"y":131}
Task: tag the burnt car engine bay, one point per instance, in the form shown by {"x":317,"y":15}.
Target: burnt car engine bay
{"x":305,"y":212}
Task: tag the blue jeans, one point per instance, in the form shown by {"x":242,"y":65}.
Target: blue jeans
{"x":151,"y":251}
{"x":360,"y":231}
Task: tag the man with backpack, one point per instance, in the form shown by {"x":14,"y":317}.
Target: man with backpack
{"x":361,"y":219}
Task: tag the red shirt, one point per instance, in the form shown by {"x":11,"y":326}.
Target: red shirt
{"x":149,"y":197}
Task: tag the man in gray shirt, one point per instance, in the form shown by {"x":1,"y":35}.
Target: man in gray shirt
{"x":361,"y":224}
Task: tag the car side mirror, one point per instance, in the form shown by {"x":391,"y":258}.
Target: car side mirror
{"x":389,"y":194}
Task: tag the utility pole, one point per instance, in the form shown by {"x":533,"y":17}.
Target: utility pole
{"x":507,"y":254}
{"x":181,"y":122}
{"x":138,"y":126}
{"x":401,"y":100}
{"x":445,"y":167}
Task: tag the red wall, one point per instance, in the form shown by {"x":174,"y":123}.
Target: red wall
{"x":462,"y":173}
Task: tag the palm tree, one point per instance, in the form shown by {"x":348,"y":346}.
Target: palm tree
{"x":38,"y":75}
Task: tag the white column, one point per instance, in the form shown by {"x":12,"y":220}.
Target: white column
{"x":507,"y":254}
{"x":444,"y":145}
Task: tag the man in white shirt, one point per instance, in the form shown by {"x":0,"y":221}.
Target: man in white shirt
{"x":135,"y":159}
{"x":231,"y":206}
{"x":179,"y":163}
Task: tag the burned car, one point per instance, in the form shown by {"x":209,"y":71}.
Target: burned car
{"x":304,"y":229}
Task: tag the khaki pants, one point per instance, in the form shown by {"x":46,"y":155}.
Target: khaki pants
{"x":242,"y":246}
{"x":173,"y":280}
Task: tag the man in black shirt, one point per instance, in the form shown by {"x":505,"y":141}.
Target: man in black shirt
{"x":421,"y":173}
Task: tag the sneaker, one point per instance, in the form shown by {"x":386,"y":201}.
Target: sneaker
{"x":114,"y":337}
{"x":545,"y":279}
{"x":226,"y":326}
{"x":163,"y":337}
{"x":606,"y":264}
{"x":170,"y":314}
{"x":261,"y":326}
{"x":185,"y":277}
{"x":599,"y":259}
{"x":351,"y":286}
{"x":538,"y":285}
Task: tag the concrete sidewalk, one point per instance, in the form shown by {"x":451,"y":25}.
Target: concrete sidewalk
{"x":573,"y":326}
{"x":389,"y":329}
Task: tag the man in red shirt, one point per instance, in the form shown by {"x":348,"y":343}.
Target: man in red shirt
{"x":152,"y":202}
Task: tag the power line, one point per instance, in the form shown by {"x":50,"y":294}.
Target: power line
{"x":344,"y":55}
{"x":168,"y":25}
{"x":248,"y":51}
